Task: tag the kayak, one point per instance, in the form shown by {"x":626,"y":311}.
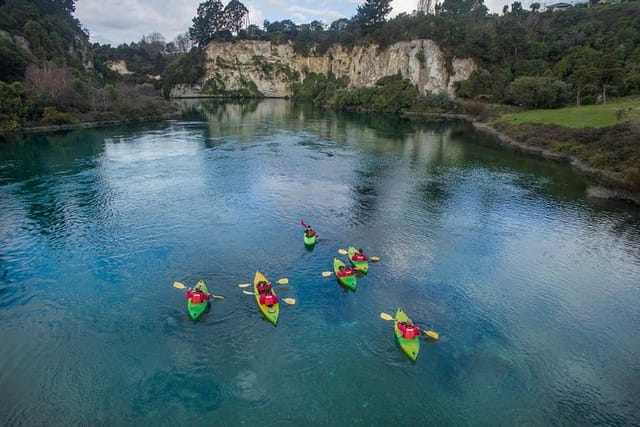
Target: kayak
{"x":196,"y":310}
{"x":347,"y":281}
{"x":310,"y":241}
{"x":358,"y":265}
{"x":411,"y":347}
{"x":271,"y":313}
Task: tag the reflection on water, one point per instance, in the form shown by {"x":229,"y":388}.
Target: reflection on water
{"x":533,"y":287}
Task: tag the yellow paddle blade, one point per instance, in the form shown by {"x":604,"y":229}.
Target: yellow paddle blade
{"x":342,"y":251}
{"x":179,"y":285}
{"x":432,"y":334}
{"x":374,"y":258}
{"x":244,"y":285}
{"x":283,"y":281}
{"x":248,"y":293}
{"x":327,"y":273}
{"x":217,"y":296}
{"x":290,"y":301}
{"x":386,"y":316}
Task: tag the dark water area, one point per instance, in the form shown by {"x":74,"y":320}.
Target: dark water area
{"x":533,"y":287}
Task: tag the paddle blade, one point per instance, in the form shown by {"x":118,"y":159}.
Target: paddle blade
{"x":342,"y":251}
{"x":244,"y":285}
{"x":374,"y":258}
{"x":432,"y":334}
{"x":248,"y":293}
{"x":386,"y":316}
{"x":283,"y":281}
{"x":327,"y":273}
{"x":290,"y":301}
{"x":179,"y":285}
{"x":217,"y":296}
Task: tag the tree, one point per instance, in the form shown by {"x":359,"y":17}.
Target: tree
{"x":316,"y":26}
{"x":68,"y":5}
{"x":235,"y":14}
{"x":183,"y":43}
{"x":340,"y":25}
{"x":461,"y":7}
{"x":372,"y":14}
{"x":209,"y":20}
{"x":534,"y":7}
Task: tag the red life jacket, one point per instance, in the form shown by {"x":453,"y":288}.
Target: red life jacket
{"x":410,"y":332}
{"x":268,"y":299}
{"x":346,"y":272}
{"x":359,"y":257}
{"x":196,"y":297}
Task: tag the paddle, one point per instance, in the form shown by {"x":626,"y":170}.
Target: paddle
{"x":430,"y":334}
{"x":283,"y":281}
{"x":327,"y":273}
{"x":179,"y":285}
{"x":290,"y":301}
{"x":371,"y":258}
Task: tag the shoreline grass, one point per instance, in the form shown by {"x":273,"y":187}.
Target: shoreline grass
{"x":588,"y":116}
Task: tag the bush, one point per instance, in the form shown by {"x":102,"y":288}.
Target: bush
{"x":537,"y":92}
{"x":51,"y":116}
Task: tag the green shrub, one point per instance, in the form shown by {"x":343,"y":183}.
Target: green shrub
{"x":598,"y":160}
{"x":52,"y":116}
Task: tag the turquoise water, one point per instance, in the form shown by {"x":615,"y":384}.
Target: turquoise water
{"x":534,"y":289}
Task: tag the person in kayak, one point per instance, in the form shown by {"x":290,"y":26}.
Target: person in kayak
{"x":345,"y":271}
{"x":359,"y":256}
{"x":268,"y":299}
{"x":310,"y":232}
{"x":408,"y":329}
{"x":197,"y":296}
{"x":264,"y":287}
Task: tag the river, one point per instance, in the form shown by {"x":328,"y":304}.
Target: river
{"x":533,"y":287}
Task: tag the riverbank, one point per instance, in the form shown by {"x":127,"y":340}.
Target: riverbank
{"x":608,"y":184}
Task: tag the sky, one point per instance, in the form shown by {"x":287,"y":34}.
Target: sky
{"x":124,"y":21}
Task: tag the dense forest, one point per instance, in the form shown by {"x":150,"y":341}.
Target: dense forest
{"x":50,"y":73}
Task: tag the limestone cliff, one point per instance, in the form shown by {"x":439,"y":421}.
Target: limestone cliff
{"x":264,"y":69}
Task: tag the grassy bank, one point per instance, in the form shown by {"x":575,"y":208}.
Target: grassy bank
{"x":588,"y":116}
{"x":602,"y":140}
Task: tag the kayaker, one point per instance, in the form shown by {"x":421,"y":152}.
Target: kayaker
{"x":197,"y":295}
{"x":359,"y":256}
{"x":408,"y":329}
{"x":268,"y":299}
{"x":345,"y":271}
{"x":310,"y":232}
{"x":264,"y":287}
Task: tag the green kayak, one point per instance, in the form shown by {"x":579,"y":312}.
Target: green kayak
{"x":346,"y":281}
{"x":358,"y":265}
{"x":309,"y":241}
{"x":270,"y":312}
{"x":411,"y":347}
{"x":196,"y":310}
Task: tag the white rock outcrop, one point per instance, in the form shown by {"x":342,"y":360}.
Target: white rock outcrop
{"x":274,"y":68}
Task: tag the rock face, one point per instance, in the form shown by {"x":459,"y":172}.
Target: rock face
{"x":260,"y":68}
